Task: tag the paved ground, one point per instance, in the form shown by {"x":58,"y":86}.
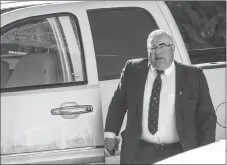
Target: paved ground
{"x":112,"y":160}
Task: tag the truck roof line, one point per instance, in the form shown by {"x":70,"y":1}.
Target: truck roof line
{"x":7,"y":6}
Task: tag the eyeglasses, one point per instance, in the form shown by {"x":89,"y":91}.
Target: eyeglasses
{"x":160,"y":47}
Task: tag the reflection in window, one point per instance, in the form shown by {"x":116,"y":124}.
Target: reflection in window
{"x":203,"y":27}
{"x":34,"y":52}
{"x":202,"y":24}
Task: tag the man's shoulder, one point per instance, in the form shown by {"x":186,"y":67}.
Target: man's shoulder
{"x":188,"y":67}
{"x":137,"y":62}
{"x":189,"y":70}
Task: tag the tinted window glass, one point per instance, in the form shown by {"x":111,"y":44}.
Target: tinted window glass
{"x":203,"y":27}
{"x":119,"y":35}
{"x":36,"y":52}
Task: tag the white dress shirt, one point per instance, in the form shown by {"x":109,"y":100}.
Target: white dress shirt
{"x":167,"y":131}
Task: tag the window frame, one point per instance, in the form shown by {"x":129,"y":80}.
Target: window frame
{"x":16,"y":23}
{"x":115,"y":77}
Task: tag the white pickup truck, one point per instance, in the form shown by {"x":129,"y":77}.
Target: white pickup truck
{"x":60,"y":65}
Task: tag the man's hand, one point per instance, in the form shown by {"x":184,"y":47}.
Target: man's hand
{"x":111,"y":145}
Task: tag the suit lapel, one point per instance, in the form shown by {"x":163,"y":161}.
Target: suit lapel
{"x":181,"y":81}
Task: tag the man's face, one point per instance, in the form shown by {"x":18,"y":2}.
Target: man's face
{"x":161,"y":52}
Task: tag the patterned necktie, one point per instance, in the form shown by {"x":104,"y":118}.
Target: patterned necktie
{"x":154,"y":104}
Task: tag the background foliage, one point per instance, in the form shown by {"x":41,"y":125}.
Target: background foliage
{"x":201,"y":23}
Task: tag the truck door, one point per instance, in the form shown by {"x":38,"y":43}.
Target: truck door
{"x":50,"y":98}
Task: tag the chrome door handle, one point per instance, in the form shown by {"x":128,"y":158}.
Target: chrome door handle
{"x":72,"y":109}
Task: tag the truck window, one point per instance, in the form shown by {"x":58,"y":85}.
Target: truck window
{"x":119,"y":34}
{"x":36,"y":52}
{"x":203,"y":27}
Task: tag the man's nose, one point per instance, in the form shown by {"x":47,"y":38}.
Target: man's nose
{"x":157,"y":51}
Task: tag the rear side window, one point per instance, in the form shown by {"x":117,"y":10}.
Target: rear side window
{"x":119,"y":34}
{"x":203,"y":27}
{"x":38,"y":51}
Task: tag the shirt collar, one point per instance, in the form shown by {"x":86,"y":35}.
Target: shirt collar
{"x":166,"y":71}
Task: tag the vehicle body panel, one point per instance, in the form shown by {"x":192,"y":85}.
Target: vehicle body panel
{"x":80,"y":140}
{"x":210,"y":154}
{"x":30,"y":133}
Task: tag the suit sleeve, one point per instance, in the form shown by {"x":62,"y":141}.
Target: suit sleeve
{"x":205,"y":114}
{"x":118,"y":105}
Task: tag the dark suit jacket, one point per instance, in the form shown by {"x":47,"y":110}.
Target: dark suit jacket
{"x":195,"y":114}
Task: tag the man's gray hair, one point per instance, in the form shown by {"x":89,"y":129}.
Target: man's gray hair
{"x":159,"y":32}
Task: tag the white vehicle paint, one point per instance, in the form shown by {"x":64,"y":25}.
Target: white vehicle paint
{"x":215,"y":154}
{"x":30,"y":134}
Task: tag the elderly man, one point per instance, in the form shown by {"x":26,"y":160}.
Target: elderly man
{"x":169,"y":106}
